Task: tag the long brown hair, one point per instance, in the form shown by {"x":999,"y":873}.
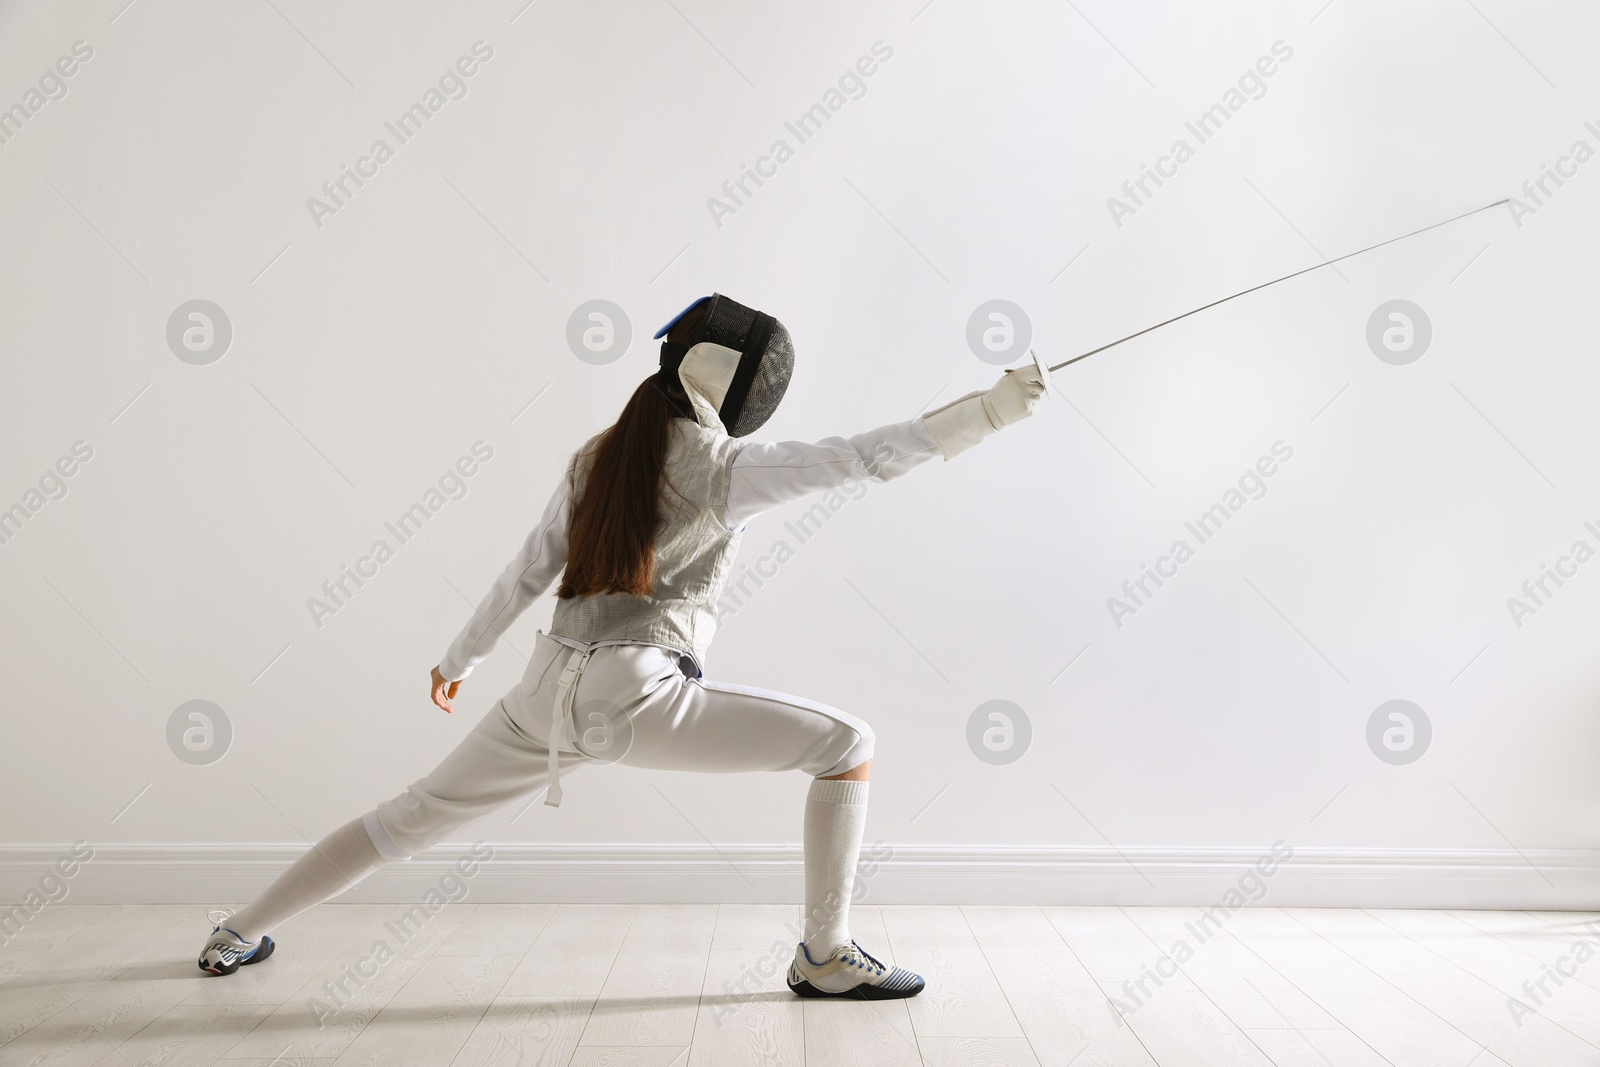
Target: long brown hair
{"x":611,"y":539}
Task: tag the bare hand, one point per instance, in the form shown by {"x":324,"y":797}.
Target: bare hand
{"x":444,"y":692}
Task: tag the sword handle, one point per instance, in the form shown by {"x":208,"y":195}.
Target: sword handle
{"x":1044,"y":372}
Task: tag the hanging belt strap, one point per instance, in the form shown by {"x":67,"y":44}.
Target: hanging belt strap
{"x":560,"y":715}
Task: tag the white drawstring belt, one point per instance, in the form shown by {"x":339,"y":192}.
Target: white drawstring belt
{"x":560,"y":715}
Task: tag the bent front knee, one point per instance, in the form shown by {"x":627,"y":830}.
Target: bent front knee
{"x":859,"y":773}
{"x":853,"y":763}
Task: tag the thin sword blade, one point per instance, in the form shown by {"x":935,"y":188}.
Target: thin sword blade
{"x":1275,"y":281}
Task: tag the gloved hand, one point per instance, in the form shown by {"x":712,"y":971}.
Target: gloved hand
{"x":963,"y":423}
{"x":1013,"y":397}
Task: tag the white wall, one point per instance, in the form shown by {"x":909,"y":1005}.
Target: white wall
{"x":369,"y":353}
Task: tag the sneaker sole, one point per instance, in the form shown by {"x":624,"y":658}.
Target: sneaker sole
{"x":860,"y":992}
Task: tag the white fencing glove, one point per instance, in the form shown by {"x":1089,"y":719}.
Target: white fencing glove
{"x":963,"y":423}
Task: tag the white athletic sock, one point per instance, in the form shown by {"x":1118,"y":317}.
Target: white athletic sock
{"x":836,"y":815}
{"x":328,"y":868}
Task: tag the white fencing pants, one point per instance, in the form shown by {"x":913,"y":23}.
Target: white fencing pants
{"x":632,"y":705}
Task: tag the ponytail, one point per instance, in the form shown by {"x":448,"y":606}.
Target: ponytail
{"x":611,"y":540}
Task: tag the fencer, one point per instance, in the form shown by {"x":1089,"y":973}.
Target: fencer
{"x":639,"y":538}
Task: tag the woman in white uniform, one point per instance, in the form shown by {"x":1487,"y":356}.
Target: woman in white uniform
{"x":642,"y":533}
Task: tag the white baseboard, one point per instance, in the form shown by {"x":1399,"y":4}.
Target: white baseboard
{"x":913,"y":874}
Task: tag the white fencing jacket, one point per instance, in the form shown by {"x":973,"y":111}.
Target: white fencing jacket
{"x":764,"y":475}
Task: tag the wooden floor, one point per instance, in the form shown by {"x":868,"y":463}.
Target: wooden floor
{"x":660,"y":985}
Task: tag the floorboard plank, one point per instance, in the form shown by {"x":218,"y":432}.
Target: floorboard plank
{"x":1382,"y":1015}
{"x":573,"y":952}
{"x":428,"y":1021}
{"x":188,"y":1035}
{"x":977,"y":1052}
{"x":630,"y":1056}
{"x":1010,"y":926}
{"x":1316,"y":1048}
{"x":323,"y":1017}
{"x":1479,"y":1011}
{"x":499,"y":930}
{"x":963,"y":998}
{"x":746,"y":1013}
{"x":1172,"y":1016}
{"x":1063,"y":1012}
{"x":1376,"y":946}
{"x":652,"y":993}
{"x":526,"y":1032}
{"x":1506,"y":967}
{"x":1243,"y":985}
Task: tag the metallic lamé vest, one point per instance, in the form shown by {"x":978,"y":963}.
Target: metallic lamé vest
{"x":694,"y":552}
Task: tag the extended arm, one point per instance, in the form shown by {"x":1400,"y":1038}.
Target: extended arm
{"x":542,"y":558}
{"x":768,"y":474}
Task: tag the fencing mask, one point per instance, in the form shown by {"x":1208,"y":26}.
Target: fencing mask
{"x":738,"y":358}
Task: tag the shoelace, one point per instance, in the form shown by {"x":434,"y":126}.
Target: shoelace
{"x":218,"y":916}
{"x":875,"y":966}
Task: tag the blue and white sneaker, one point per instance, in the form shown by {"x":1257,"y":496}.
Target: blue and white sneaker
{"x":850,"y":973}
{"x":225,"y":951}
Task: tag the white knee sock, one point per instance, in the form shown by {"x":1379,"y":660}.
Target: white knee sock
{"x":836,"y":815}
{"x":328,"y":868}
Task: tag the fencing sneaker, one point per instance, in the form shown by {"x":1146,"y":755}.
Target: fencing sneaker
{"x":852,"y":974}
{"x":225,"y":951}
